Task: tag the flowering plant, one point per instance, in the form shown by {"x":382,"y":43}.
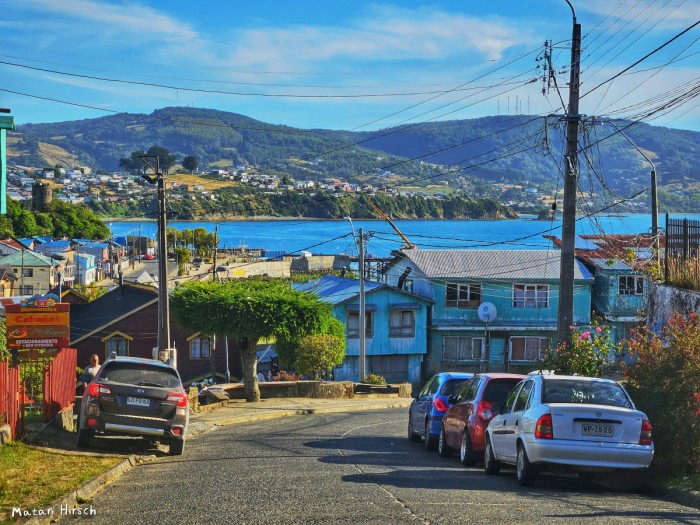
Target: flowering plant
{"x":590,"y":353}
{"x":286,"y":376}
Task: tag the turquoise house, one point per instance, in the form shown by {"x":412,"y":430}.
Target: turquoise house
{"x":493,"y":310}
{"x":621,"y":286}
{"x":396,"y":331}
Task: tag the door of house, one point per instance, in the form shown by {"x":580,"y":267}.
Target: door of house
{"x":394,"y":368}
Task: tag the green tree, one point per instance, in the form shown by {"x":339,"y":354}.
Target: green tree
{"x":167,"y":160}
{"x":246,"y":311}
{"x":318,"y":354}
{"x":190,"y":163}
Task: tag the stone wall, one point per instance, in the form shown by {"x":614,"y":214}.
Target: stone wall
{"x":318,"y":390}
{"x":664,"y":300}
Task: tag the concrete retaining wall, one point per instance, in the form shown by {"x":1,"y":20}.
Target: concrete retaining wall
{"x":319,"y":390}
{"x":665,"y":300}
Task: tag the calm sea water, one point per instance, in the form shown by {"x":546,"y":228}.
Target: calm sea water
{"x":336,"y":236}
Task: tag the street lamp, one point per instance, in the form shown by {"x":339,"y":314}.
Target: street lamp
{"x":654,"y":198}
{"x":59,"y":257}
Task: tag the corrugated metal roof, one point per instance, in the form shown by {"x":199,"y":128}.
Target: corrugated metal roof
{"x":610,"y":264}
{"x":335,"y":290}
{"x":533,"y":265}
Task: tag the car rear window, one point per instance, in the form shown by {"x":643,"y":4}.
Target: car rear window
{"x":453,"y":386}
{"x":589,"y":392}
{"x":497,"y":390}
{"x":141,"y":375}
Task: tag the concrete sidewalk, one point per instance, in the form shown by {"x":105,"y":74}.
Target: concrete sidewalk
{"x":236,"y":411}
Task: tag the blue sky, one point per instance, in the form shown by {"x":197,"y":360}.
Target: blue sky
{"x":347,"y":64}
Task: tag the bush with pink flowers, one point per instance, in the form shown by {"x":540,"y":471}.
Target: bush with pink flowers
{"x":591,"y":353}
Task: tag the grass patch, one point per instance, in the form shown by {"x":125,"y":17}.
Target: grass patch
{"x":32,"y":478}
{"x":683,"y":482}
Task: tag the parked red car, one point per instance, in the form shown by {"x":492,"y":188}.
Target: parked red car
{"x":465,"y":422}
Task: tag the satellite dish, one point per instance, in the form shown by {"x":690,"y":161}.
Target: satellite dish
{"x":487,"y":312}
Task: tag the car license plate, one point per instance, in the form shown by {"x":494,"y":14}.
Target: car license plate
{"x":589,"y":429}
{"x":138,"y":401}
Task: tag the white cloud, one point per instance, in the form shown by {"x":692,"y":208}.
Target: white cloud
{"x":671,"y":16}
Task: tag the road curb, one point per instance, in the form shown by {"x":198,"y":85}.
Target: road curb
{"x":249,"y":418}
{"x":80,"y":497}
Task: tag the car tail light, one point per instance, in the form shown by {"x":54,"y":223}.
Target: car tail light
{"x":91,"y":421}
{"x":645,"y":436}
{"x":177,"y":431}
{"x":179,"y":398}
{"x":484,"y":410}
{"x":543,"y":429}
{"x":440,"y":405}
{"x":96,"y":389}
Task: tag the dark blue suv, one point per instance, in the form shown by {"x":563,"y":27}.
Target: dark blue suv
{"x":430,"y":404}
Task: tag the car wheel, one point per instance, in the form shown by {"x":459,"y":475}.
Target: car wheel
{"x":466,"y":452}
{"x":429,"y":439}
{"x":412,"y":436}
{"x":84,"y":437}
{"x":588,"y":477}
{"x":491,"y":464}
{"x":525,"y":472}
{"x":443,"y":449}
{"x":177,"y":446}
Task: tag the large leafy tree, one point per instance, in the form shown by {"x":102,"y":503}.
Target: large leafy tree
{"x":190,"y":163}
{"x":248,"y":310}
{"x":167,"y":159}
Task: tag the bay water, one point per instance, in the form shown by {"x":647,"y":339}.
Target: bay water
{"x":337,"y":236}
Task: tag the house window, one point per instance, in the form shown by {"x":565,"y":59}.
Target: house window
{"x":200,"y":348}
{"x":26,"y":289}
{"x":402,"y":323}
{"x":354,"y":324}
{"x":528,"y":348}
{"x":530,"y":296}
{"x":456,"y":349}
{"x":119,"y":345}
{"x":27,"y":272}
{"x":462,"y":295}
{"x":631,"y":285}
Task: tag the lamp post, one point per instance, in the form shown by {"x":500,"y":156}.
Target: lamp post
{"x":59,"y":257}
{"x":654,"y":197}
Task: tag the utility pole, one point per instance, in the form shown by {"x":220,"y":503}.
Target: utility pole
{"x":216,"y":250}
{"x":566,"y":282}
{"x":361,"y":248}
{"x":163,"y":297}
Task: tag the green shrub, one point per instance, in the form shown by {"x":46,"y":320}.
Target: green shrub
{"x":374,"y":379}
{"x":318,"y":354}
{"x":663,"y":382}
{"x":591,"y":353}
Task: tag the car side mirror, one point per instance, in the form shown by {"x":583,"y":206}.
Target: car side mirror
{"x":506,"y":410}
{"x":415,"y":395}
{"x":453,"y":399}
{"x":497,"y":408}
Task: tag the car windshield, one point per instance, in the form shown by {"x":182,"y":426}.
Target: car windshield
{"x":582,"y":391}
{"x":140,"y":375}
{"x":453,"y":386}
{"x":497,"y":390}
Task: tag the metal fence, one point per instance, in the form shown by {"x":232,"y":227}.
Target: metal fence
{"x":681,"y":247}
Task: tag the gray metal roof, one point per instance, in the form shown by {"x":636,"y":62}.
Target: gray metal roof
{"x":532,"y":265}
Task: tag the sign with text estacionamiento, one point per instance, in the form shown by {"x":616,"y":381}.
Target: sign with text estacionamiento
{"x":38,"y":326}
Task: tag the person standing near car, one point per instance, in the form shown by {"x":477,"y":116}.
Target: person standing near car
{"x":89,"y":371}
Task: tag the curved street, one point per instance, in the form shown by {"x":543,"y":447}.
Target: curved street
{"x":351,"y":468}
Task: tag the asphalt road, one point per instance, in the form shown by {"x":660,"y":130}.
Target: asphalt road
{"x":351,"y":468}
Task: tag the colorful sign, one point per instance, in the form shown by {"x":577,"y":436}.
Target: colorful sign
{"x":38,"y":324}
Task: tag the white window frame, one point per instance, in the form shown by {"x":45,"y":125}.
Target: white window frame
{"x":466,"y":348}
{"x":201,"y":353}
{"x":469,"y":289}
{"x":402,"y":322}
{"x":530,"y":296}
{"x":637,"y":287}
{"x":353,"y":324}
{"x":536,"y":344}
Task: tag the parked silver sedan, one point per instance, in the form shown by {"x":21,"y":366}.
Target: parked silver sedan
{"x":583,"y":424}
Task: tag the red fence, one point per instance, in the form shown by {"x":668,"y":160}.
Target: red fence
{"x":59,"y":382}
{"x":9,"y":397}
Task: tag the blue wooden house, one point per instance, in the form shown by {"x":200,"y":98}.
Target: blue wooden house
{"x":620,"y":289}
{"x":395,"y":327}
{"x":494,"y":310}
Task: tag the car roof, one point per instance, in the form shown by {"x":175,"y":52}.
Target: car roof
{"x":579,"y":378}
{"x":457,"y":375}
{"x":138,"y":360}
{"x":500,"y":375}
